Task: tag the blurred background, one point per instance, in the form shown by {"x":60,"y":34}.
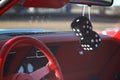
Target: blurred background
{"x":60,"y":19}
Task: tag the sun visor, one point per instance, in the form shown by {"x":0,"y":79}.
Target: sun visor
{"x":45,"y":3}
{"x":7,"y":4}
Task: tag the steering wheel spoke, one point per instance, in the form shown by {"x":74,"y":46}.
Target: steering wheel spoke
{"x":40,"y":73}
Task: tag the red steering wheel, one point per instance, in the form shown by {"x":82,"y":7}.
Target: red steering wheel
{"x":52,"y":65}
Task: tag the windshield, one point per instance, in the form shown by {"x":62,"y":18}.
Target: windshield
{"x":47,"y":19}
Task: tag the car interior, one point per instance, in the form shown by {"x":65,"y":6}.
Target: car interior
{"x":80,"y":54}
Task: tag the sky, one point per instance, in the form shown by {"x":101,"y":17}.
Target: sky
{"x":116,"y":3}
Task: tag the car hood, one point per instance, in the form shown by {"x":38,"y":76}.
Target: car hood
{"x":4,"y":31}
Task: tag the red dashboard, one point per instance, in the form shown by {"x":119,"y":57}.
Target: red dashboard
{"x":75,"y":63}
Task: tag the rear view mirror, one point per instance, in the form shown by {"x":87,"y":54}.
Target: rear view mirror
{"x":93,"y":2}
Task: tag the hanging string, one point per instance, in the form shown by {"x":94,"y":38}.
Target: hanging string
{"x":84,"y":10}
{"x":89,"y":15}
{"x":83,"y":14}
